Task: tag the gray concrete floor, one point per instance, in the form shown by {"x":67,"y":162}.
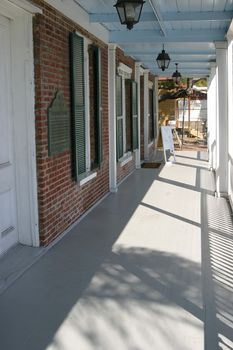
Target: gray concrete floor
{"x":150,"y":268}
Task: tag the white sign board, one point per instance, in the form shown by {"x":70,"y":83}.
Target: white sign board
{"x":167,"y":138}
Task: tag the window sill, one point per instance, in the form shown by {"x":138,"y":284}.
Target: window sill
{"x":88,"y":177}
{"x":125,"y":159}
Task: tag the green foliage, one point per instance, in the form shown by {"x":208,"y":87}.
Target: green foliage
{"x":166,"y":84}
{"x":201,"y":82}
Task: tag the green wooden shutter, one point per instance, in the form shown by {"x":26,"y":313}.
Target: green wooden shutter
{"x":155,"y":115}
{"x":151,"y":134}
{"x":98,"y":89}
{"x":78,"y":103}
{"x":134,"y":115}
{"x":119,"y":117}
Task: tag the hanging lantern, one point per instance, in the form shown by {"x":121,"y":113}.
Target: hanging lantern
{"x":129,"y":11}
{"x":163,"y":60}
{"x":176,"y":76}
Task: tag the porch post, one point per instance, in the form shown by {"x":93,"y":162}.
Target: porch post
{"x":230,"y":112}
{"x":137,"y":79}
{"x":211,"y":117}
{"x":146,"y":111}
{"x":222,"y":125}
{"x":156,"y":109}
{"x":112,"y":117}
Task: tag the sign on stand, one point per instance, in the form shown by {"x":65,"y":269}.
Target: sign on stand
{"x":168,"y":144}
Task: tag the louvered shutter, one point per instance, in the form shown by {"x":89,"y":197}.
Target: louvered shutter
{"x":155,"y":115}
{"x":119,"y":117}
{"x":151,"y":134}
{"x":134,"y":115}
{"x":78,"y":103}
{"x":98,"y":89}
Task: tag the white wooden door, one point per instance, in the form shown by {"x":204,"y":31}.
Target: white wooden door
{"x":8,"y":222}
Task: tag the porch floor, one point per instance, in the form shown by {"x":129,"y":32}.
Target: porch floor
{"x":150,"y":268}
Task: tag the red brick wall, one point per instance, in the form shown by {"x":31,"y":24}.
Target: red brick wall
{"x":122,"y":172}
{"x":61,"y":200}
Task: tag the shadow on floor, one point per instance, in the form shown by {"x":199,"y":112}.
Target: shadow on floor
{"x":138,"y":298}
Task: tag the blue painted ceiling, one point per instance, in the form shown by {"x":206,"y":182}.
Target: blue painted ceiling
{"x":187,"y":28}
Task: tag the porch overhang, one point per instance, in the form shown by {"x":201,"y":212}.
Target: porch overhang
{"x":188,"y":31}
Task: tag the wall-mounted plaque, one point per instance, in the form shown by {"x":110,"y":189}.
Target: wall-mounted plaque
{"x":58,"y":125}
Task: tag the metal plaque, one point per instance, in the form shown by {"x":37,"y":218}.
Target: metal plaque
{"x":58,"y":125}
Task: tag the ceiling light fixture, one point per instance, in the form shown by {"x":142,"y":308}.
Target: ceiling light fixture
{"x":129,"y":11}
{"x":163,"y":60}
{"x":176,"y":76}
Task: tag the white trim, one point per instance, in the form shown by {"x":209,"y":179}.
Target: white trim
{"x":141,"y":70}
{"x":212,"y":115}
{"x":156,"y":107}
{"x":22,"y":67}
{"x":11,"y":8}
{"x":229,"y":35}
{"x":124,"y":71}
{"x":221,"y":44}
{"x":150,"y":144}
{"x":127,"y":157}
{"x":79,"y":16}
{"x":150,"y":85}
{"x":88,"y":178}
{"x":26,"y":5}
{"x":112,"y":117}
{"x":138,"y":81}
{"x":221,"y":194}
{"x":230,"y":116}
{"x":123,"y":112}
{"x":146,"y":113}
{"x":222,"y":119}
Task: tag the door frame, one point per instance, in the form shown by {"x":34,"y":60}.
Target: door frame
{"x":20,"y":14}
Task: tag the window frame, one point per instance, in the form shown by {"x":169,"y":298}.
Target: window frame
{"x":125,"y":72}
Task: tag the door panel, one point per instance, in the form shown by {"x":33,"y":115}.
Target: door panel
{"x":8,"y":224}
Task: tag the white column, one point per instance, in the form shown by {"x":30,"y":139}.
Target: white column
{"x":212,"y":116}
{"x":146,"y":112}
{"x":230,"y":112}
{"x":137,"y":79}
{"x":112,"y":117}
{"x":157,"y":108}
{"x":222,"y":120}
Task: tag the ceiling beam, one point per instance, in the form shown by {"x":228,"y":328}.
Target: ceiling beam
{"x":187,"y":72}
{"x":170,"y":70}
{"x":167,"y":17}
{"x":186,"y":75}
{"x":197,"y":52}
{"x":179,"y":60}
{"x":198,"y":16}
{"x":152,"y":36}
{"x":155,"y":8}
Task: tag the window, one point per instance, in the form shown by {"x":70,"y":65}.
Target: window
{"x":85,"y":106}
{"x":126,"y":112}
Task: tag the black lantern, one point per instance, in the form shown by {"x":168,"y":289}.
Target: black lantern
{"x":176,"y":76}
{"x":129,"y":11}
{"x":163,"y":60}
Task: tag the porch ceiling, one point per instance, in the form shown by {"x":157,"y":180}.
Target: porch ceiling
{"x":188,"y":29}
